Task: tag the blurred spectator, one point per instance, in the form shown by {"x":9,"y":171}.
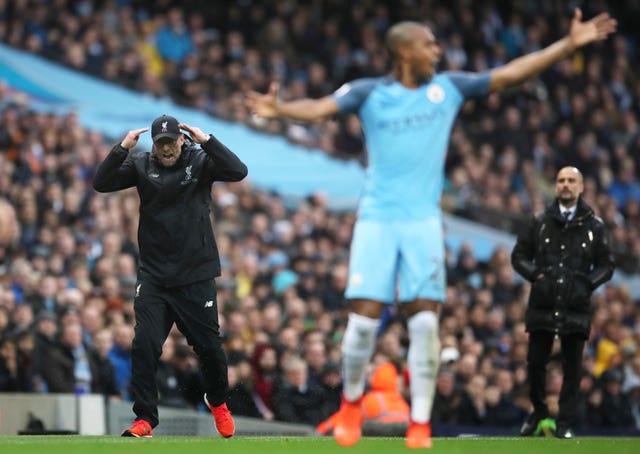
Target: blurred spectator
{"x":588,"y":411}
{"x":173,"y":40}
{"x":631,"y":373}
{"x":179,"y":381}
{"x":25,"y":345}
{"x":240,"y":400}
{"x":105,"y":380}
{"x":8,"y":366}
{"x":46,"y":329}
{"x":315,"y":355}
{"x":502,"y":403}
{"x":331,"y":384}
{"x":625,"y":187}
{"x":120,"y":356}
{"x":632,"y":391}
{"x":608,"y":348}
{"x":295,"y":400}
{"x":473,"y":405}
{"x":68,"y":368}
{"x":265,"y":375}
{"x":616,"y":408}
{"x":447,"y":399}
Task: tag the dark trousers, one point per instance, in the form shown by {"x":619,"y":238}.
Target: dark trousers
{"x":540,"y":344}
{"x":194,"y":309}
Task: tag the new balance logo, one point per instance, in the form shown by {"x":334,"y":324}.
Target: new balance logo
{"x":208,"y":304}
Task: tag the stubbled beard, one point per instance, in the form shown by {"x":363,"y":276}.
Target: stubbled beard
{"x":159,"y":157}
{"x":568,"y":200}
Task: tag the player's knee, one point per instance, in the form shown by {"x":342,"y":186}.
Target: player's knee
{"x":359,"y":337}
{"x":425,"y":321}
{"x":423,"y":332}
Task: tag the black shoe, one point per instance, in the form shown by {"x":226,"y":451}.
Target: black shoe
{"x":531,"y":424}
{"x":563,"y":432}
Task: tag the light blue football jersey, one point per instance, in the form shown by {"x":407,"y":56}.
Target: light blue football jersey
{"x":407,"y":135}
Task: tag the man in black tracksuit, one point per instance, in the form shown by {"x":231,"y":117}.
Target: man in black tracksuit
{"x":178,"y":256}
{"x":564,"y":253}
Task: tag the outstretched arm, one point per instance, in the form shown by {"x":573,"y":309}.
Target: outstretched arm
{"x":527,"y":66}
{"x":268,"y":106}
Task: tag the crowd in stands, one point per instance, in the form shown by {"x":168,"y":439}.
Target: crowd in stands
{"x":68,"y":271}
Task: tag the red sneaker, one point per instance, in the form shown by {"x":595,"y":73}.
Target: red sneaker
{"x":222,"y":416}
{"x":348,"y":423}
{"x":419,"y":435}
{"x":139,"y":429}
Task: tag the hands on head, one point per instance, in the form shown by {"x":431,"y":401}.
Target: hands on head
{"x":196,"y":133}
{"x":132,"y":137}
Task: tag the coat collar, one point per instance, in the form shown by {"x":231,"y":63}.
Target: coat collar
{"x":583,"y":211}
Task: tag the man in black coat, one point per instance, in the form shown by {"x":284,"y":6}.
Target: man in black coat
{"x":564,"y":253}
{"x":178,"y":256}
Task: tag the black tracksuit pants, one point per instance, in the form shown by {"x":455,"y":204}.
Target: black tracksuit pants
{"x":540,"y":345}
{"x":194,"y":309}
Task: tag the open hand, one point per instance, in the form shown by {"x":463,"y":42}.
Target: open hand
{"x":264,"y":105}
{"x":596,"y":29}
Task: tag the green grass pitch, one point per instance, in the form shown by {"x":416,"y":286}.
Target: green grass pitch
{"x":75,"y":444}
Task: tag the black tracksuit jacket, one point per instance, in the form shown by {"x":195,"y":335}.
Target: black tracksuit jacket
{"x":175,"y":237}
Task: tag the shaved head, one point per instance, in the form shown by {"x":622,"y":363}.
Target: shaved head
{"x":402,"y":34}
{"x":414,"y":53}
{"x":569,"y":170}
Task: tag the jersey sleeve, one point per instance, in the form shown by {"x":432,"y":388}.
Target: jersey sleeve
{"x":352,"y":95}
{"x":470,"y":84}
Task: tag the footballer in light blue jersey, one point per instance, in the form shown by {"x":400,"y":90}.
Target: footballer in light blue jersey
{"x":407,"y":132}
{"x":397,"y":250}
